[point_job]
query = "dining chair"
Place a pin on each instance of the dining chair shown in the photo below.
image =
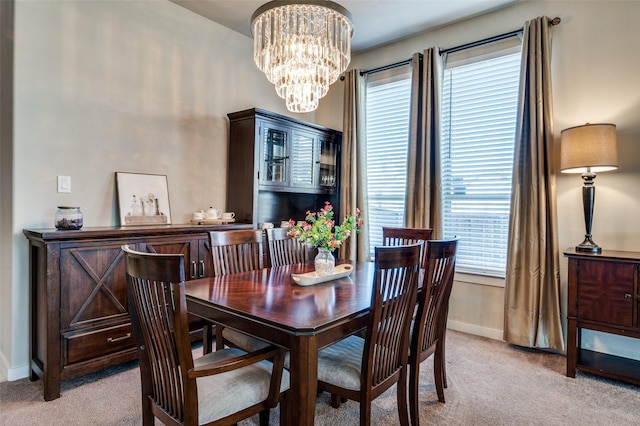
(219, 388)
(236, 251)
(428, 332)
(361, 369)
(394, 236)
(284, 249)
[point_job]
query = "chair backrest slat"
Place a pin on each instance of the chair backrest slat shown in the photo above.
(236, 251)
(393, 301)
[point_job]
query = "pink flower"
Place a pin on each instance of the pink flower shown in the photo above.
(320, 229)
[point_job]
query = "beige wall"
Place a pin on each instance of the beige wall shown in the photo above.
(107, 86)
(595, 79)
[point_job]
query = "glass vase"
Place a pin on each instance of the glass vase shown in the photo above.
(324, 262)
(68, 218)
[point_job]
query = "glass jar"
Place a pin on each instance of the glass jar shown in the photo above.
(68, 218)
(324, 262)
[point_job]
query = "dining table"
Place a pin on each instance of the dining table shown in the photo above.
(268, 304)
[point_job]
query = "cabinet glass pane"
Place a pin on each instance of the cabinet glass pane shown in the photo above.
(328, 162)
(275, 156)
(302, 159)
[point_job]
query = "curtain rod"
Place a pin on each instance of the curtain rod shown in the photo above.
(555, 21)
(481, 42)
(386, 67)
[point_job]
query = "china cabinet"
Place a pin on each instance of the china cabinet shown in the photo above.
(603, 295)
(79, 319)
(280, 167)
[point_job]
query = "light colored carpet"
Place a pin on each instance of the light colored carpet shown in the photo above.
(490, 383)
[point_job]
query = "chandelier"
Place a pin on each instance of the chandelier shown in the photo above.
(302, 48)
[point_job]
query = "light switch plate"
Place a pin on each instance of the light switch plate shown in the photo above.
(64, 183)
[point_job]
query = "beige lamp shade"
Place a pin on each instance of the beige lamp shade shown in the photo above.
(588, 148)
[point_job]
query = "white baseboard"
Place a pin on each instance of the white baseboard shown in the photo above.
(11, 374)
(477, 330)
(18, 373)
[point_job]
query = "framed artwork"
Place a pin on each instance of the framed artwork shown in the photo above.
(143, 199)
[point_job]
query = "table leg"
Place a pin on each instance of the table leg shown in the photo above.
(301, 400)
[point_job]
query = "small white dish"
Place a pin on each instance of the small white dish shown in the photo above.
(311, 278)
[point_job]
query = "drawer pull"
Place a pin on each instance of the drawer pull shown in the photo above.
(118, 339)
(627, 296)
(201, 270)
(193, 269)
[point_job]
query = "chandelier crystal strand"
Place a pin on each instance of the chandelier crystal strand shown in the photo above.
(302, 48)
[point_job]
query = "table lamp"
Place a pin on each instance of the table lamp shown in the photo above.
(588, 149)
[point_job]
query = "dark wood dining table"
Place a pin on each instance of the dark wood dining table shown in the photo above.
(303, 319)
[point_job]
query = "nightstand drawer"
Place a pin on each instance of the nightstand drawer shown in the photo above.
(605, 292)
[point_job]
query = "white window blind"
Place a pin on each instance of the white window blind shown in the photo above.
(388, 102)
(480, 96)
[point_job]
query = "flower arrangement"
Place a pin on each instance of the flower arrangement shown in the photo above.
(320, 229)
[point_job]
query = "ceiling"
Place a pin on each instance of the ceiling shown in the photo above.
(375, 22)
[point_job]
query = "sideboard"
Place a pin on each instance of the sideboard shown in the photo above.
(603, 295)
(78, 315)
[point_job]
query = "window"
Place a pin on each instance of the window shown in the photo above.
(388, 103)
(479, 106)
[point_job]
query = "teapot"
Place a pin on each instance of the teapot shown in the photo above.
(213, 213)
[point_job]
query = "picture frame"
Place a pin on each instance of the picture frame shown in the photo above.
(143, 199)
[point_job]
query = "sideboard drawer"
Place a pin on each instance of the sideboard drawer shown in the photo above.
(93, 344)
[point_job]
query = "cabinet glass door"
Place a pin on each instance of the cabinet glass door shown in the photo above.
(303, 159)
(328, 173)
(274, 155)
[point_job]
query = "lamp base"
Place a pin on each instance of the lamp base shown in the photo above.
(588, 245)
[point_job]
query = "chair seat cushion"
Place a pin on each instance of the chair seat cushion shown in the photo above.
(223, 394)
(242, 340)
(341, 363)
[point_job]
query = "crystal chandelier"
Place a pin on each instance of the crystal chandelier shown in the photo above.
(302, 48)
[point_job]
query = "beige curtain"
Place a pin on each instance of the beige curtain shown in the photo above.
(423, 168)
(353, 188)
(532, 289)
